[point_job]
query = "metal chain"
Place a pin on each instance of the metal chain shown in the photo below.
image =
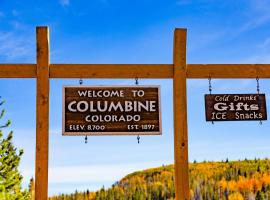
(210, 88)
(137, 83)
(258, 85)
(210, 85)
(258, 91)
(85, 139)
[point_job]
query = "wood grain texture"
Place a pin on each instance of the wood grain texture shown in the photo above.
(18, 70)
(42, 115)
(180, 116)
(228, 70)
(137, 70)
(111, 71)
(235, 107)
(71, 118)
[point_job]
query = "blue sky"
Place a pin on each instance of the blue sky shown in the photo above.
(116, 31)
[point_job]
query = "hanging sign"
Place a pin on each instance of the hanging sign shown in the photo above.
(111, 110)
(235, 107)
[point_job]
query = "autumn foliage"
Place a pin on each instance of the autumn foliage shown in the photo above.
(236, 180)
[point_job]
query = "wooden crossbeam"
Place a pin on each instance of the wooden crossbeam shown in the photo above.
(18, 70)
(137, 70)
(228, 70)
(111, 70)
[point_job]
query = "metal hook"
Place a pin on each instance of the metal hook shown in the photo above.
(85, 139)
(138, 138)
(136, 81)
(80, 81)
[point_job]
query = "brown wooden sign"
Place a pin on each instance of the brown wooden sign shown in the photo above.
(111, 110)
(235, 107)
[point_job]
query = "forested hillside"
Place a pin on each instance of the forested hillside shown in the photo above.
(236, 180)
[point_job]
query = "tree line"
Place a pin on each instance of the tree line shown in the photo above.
(226, 180)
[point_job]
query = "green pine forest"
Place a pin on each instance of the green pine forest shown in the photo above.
(10, 156)
(226, 180)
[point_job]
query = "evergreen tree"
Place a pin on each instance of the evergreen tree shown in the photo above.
(10, 178)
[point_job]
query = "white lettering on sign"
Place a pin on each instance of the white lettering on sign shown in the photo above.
(246, 98)
(235, 107)
(111, 110)
(253, 115)
(236, 98)
(219, 115)
(112, 118)
(101, 93)
(110, 106)
(222, 98)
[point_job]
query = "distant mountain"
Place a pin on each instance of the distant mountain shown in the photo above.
(226, 180)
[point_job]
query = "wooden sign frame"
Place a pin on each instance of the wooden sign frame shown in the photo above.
(232, 114)
(179, 71)
(113, 133)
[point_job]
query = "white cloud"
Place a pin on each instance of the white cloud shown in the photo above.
(255, 22)
(18, 42)
(95, 173)
(88, 174)
(260, 58)
(260, 6)
(259, 15)
(254, 16)
(15, 45)
(78, 174)
(64, 2)
(18, 25)
(265, 44)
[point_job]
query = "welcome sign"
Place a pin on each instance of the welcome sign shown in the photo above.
(111, 110)
(235, 107)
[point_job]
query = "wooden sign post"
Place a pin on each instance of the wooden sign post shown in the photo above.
(179, 71)
(43, 71)
(180, 116)
(42, 114)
